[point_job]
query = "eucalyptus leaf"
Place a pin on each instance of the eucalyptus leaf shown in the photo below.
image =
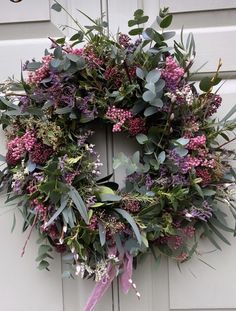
(160, 85)
(150, 111)
(140, 73)
(153, 76)
(166, 21)
(182, 152)
(57, 7)
(157, 102)
(161, 157)
(141, 138)
(148, 96)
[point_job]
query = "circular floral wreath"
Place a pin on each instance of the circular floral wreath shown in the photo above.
(174, 185)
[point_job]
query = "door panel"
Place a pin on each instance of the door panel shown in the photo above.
(25, 11)
(200, 5)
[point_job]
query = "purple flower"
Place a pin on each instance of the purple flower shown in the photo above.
(61, 163)
(134, 177)
(91, 201)
(16, 186)
(149, 182)
(202, 213)
(178, 180)
(24, 103)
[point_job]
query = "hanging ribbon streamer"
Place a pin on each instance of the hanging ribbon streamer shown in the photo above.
(100, 289)
(126, 276)
(102, 286)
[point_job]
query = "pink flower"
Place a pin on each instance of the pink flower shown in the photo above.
(189, 231)
(214, 102)
(29, 140)
(40, 153)
(204, 174)
(110, 73)
(197, 142)
(38, 75)
(136, 126)
(172, 73)
(16, 150)
(93, 224)
(88, 54)
(132, 206)
(118, 116)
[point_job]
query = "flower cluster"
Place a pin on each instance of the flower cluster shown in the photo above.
(172, 74)
(118, 116)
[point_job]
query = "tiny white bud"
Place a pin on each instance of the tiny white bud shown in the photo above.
(76, 257)
(188, 215)
(64, 228)
(78, 268)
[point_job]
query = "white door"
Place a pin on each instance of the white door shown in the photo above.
(164, 288)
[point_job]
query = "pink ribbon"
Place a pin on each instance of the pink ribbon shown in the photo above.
(100, 289)
(127, 273)
(102, 286)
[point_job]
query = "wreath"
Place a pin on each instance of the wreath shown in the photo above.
(175, 183)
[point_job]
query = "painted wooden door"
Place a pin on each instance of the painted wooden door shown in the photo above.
(164, 288)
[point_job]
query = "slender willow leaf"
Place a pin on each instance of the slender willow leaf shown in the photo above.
(64, 202)
(106, 178)
(131, 221)
(79, 203)
(102, 233)
(229, 114)
(208, 234)
(193, 249)
(63, 110)
(8, 104)
(14, 223)
(119, 245)
(157, 258)
(219, 224)
(207, 264)
(219, 234)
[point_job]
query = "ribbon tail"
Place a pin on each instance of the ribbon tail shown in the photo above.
(127, 273)
(100, 289)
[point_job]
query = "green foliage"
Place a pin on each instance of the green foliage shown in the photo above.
(139, 19)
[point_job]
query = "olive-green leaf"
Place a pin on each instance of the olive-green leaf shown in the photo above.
(132, 222)
(166, 21)
(79, 203)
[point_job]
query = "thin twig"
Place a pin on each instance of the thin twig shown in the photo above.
(227, 142)
(29, 235)
(127, 71)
